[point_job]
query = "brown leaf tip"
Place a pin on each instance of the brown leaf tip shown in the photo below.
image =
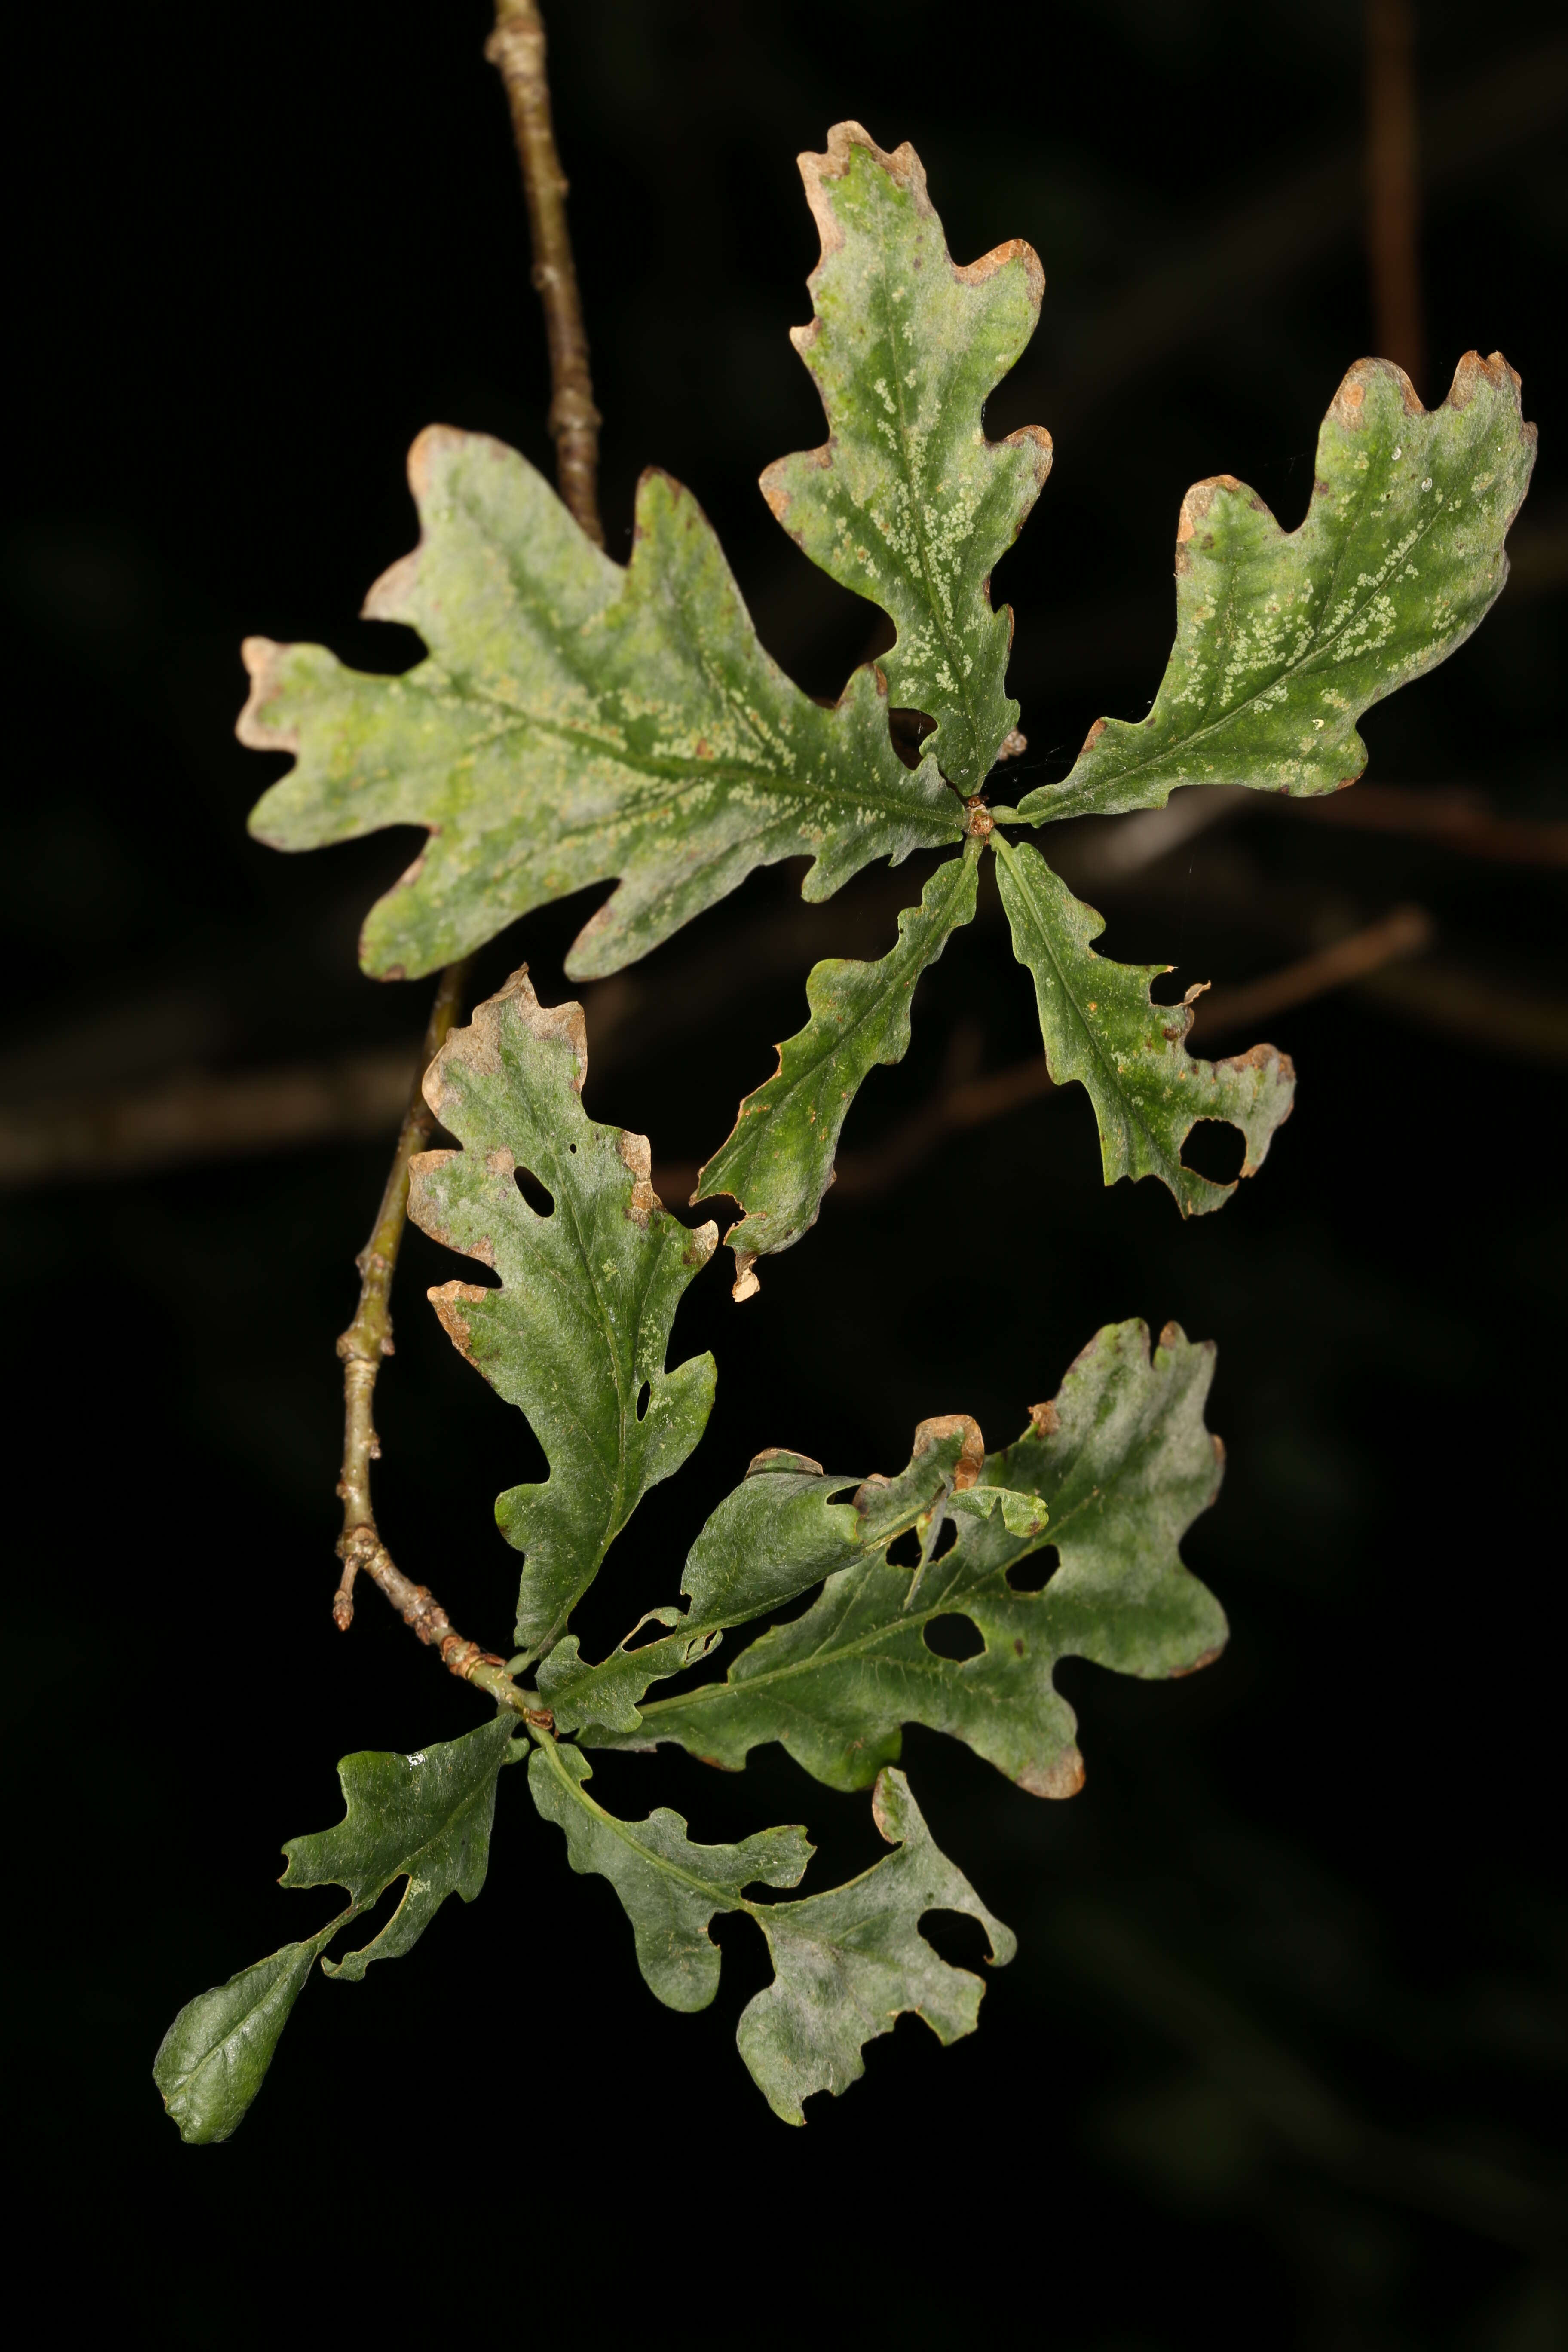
(1063, 1777)
(448, 1302)
(638, 1157)
(902, 166)
(747, 1283)
(262, 658)
(1177, 1673)
(971, 1454)
(781, 1457)
(1047, 1419)
(478, 1046)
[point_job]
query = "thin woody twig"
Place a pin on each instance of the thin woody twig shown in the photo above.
(1406, 932)
(516, 49)
(1450, 815)
(369, 1337)
(420, 1608)
(1393, 192)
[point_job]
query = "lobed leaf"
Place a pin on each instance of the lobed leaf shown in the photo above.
(1284, 638)
(669, 1888)
(573, 722)
(778, 1163)
(1102, 1028)
(907, 502)
(781, 1531)
(848, 1963)
(1112, 1473)
(577, 1333)
(425, 1818)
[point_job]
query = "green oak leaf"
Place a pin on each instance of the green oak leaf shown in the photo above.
(425, 1818)
(577, 1334)
(1102, 1027)
(778, 1163)
(848, 1963)
(213, 2059)
(669, 1887)
(907, 502)
(1283, 638)
(784, 1529)
(1112, 1473)
(572, 721)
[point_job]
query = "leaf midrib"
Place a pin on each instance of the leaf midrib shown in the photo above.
(829, 1050)
(509, 718)
(826, 1656)
(1166, 1168)
(932, 601)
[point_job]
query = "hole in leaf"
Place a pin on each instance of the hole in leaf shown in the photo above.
(642, 1400)
(570, 1147)
(953, 1637)
(957, 1938)
(1032, 1575)
(904, 1551)
(908, 730)
(947, 1535)
(652, 1631)
(539, 1198)
(1216, 1149)
(844, 1494)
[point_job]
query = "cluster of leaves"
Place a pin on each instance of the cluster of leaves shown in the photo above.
(574, 722)
(1110, 1472)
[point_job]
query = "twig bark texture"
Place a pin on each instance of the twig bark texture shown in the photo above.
(516, 49)
(369, 1337)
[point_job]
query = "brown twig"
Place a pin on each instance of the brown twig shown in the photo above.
(516, 49)
(1406, 931)
(369, 1337)
(193, 1116)
(1265, 236)
(418, 1608)
(1449, 815)
(1392, 186)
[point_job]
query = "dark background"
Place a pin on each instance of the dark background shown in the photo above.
(1282, 2057)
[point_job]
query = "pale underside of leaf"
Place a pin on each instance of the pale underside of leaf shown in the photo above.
(1283, 639)
(669, 1887)
(574, 722)
(425, 1818)
(846, 1963)
(849, 1963)
(1101, 1027)
(907, 502)
(1112, 1473)
(577, 1333)
(778, 1163)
